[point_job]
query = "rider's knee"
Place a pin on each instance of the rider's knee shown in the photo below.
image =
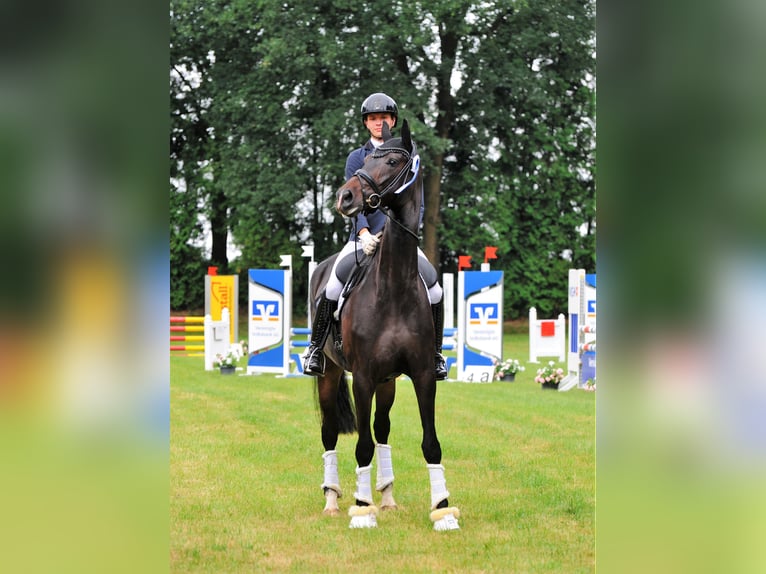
(334, 288)
(435, 293)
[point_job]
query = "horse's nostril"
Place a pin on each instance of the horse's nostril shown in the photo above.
(345, 200)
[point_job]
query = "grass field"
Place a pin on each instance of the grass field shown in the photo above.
(246, 468)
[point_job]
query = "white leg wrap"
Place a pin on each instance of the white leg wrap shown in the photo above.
(385, 473)
(438, 484)
(363, 486)
(331, 479)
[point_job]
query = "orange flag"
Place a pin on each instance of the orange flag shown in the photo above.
(463, 261)
(490, 253)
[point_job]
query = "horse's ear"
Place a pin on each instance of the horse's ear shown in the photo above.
(406, 137)
(386, 132)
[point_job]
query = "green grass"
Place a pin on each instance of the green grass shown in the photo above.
(246, 468)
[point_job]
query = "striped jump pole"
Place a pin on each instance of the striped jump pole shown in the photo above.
(188, 324)
(188, 319)
(187, 328)
(189, 348)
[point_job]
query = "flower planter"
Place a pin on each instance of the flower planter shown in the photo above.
(552, 386)
(506, 370)
(228, 370)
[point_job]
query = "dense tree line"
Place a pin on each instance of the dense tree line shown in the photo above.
(500, 96)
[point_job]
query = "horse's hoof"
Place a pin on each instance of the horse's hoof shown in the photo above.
(385, 507)
(445, 519)
(331, 512)
(363, 517)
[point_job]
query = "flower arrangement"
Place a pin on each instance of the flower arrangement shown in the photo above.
(507, 367)
(228, 360)
(549, 374)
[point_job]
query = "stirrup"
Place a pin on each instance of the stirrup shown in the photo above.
(316, 370)
(440, 367)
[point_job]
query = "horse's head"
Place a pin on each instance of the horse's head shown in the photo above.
(386, 172)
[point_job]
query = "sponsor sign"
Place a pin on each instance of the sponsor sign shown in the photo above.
(480, 324)
(268, 297)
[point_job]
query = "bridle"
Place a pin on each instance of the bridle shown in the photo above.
(375, 199)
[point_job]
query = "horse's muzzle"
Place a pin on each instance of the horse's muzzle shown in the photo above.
(346, 204)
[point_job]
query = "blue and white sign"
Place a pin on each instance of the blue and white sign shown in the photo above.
(268, 325)
(581, 364)
(480, 324)
(590, 297)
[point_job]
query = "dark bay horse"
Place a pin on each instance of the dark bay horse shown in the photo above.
(386, 329)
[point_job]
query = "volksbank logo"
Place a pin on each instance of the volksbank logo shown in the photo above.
(483, 313)
(265, 310)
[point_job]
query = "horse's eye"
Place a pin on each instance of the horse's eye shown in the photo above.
(392, 162)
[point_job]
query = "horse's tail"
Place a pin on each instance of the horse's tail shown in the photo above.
(346, 412)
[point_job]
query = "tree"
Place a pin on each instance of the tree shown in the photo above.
(521, 177)
(193, 191)
(499, 97)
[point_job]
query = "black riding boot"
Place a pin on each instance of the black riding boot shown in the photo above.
(440, 364)
(314, 361)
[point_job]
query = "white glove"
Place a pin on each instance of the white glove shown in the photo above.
(370, 242)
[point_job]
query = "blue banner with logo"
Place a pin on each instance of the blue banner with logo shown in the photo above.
(266, 320)
(480, 324)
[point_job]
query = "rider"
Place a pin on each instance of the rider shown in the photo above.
(365, 235)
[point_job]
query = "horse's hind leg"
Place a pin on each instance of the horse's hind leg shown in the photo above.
(327, 391)
(384, 400)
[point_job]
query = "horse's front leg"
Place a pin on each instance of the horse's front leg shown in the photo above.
(442, 515)
(363, 514)
(384, 400)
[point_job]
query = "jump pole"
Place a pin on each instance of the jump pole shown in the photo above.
(187, 324)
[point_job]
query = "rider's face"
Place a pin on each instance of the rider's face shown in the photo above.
(374, 123)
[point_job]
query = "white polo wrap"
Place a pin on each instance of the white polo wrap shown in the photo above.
(438, 484)
(385, 472)
(363, 486)
(331, 479)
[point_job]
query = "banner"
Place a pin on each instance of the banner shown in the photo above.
(480, 324)
(222, 292)
(268, 320)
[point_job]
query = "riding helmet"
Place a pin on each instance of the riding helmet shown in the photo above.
(379, 103)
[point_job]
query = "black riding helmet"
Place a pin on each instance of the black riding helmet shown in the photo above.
(379, 103)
